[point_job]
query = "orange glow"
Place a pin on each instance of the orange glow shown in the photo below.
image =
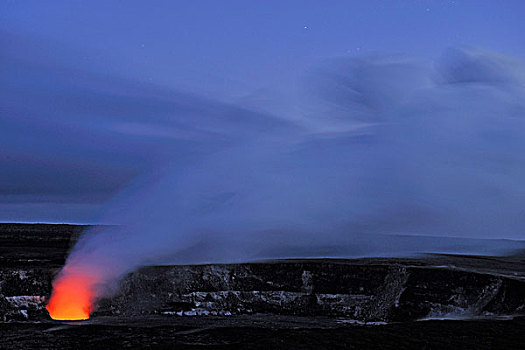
(71, 298)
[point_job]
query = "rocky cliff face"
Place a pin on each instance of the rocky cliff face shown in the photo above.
(367, 290)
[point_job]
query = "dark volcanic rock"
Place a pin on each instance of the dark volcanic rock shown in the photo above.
(379, 289)
(261, 332)
(366, 292)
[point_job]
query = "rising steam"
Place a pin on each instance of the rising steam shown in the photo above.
(377, 146)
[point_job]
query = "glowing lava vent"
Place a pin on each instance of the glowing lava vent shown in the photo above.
(71, 298)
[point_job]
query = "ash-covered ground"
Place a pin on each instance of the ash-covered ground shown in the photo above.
(433, 301)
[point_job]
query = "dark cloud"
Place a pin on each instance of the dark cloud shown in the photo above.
(71, 134)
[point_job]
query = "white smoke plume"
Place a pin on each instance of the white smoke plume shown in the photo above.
(377, 146)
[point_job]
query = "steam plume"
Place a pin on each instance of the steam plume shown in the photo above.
(378, 146)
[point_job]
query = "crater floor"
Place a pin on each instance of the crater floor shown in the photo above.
(432, 301)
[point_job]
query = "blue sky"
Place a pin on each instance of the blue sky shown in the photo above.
(99, 93)
(226, 48)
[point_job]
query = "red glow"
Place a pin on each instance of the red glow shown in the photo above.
(71, 298)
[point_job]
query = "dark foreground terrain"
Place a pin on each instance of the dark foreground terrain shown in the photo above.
(429, 302)
(262, 332)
